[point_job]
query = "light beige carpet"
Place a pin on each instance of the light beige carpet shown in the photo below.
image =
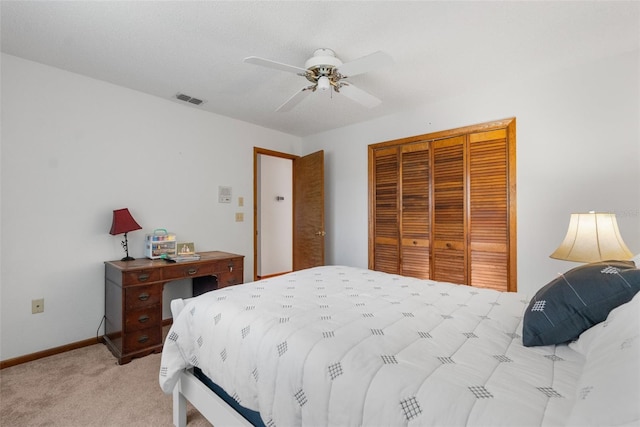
(86, 387)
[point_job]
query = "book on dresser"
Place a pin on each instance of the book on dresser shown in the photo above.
(182, 258)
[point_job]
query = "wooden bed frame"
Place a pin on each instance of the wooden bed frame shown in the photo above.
(210, 405)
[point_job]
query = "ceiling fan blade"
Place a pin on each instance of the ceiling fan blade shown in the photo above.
(295, 99)
(366, 63)
(273, 64)
(358, 95)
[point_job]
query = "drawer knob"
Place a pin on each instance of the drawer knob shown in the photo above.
(143, 277)
(143, 297)
(144, 318)
(449, 245)
(143, 338)
(192, 271)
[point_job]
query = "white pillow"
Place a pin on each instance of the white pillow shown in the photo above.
(608, 391)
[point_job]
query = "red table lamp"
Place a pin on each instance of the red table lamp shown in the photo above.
(123, 222)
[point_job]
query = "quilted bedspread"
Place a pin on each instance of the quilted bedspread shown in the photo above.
(341, 346)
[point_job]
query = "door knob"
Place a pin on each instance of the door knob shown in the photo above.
(320, 233)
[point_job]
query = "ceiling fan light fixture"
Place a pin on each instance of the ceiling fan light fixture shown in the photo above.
(324, 83)
(325, 71)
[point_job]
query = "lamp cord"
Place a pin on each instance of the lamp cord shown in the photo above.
(98, 330)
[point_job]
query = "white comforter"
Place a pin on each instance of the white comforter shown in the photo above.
(340, 346)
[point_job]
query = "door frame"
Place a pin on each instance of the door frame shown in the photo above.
(265, 152)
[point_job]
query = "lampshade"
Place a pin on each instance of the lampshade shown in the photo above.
(323, 83)
(123, 222)
(592, 237)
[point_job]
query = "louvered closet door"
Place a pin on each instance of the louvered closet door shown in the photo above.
(414, 225)
(489, 209)
(385, 217)
(443, 206)
(448, 225)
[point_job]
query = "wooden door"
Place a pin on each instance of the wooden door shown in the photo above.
(384, 208)
(464, 217)
(414, 216)
(449, 219)
(489, 208)
(308, 211)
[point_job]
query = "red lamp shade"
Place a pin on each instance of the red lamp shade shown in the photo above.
(123, 222)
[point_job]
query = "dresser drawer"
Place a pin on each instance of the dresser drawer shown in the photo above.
(139, 277)
(143, 318)
(230, 278)
(142, 339)
(184, 271)
(229, 265)
(229, 272)
(142, 296)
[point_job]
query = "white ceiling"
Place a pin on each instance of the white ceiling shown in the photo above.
(440, 49)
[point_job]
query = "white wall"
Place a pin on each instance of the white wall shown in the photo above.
(578, 149)
(74, 149)
(275, 229)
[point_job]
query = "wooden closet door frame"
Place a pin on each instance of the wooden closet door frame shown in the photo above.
(510, 125)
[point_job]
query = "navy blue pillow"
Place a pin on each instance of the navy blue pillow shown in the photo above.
(577, 300)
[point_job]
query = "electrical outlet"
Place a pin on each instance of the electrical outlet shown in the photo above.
(240, 201)
(37, 306)
(239, 216)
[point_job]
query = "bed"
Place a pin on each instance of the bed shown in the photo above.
(342, 346)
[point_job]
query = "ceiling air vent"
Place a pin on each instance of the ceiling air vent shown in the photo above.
(189, 99)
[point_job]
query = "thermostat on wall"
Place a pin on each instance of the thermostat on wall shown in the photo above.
(224, 194)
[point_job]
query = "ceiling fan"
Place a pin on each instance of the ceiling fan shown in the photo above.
(325, 71)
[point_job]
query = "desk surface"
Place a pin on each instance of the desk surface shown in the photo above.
(144, 263)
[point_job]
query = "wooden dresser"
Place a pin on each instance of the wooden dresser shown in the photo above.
(133, 297)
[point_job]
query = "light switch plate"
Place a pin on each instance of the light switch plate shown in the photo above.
(224, 194)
